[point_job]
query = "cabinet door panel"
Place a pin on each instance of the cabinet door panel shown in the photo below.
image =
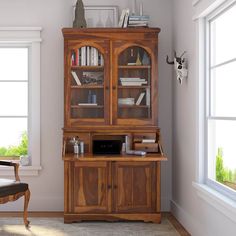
(134, 187)
(91, 187)
(87, 69)
(135, 83)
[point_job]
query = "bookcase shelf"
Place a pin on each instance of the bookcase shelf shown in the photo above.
(133, 87)
(87, 68)
(135, 67)
(87, 87)
(133, 106)
(86, 106)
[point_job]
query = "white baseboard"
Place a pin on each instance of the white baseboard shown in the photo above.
(36, 203)
(188, 222)
(165, 205)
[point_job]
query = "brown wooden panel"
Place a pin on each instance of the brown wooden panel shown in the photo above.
(75, 115)
(140, 197)
(138, 137)
(134, 187)
(91, 187)
(148, 147)
(119, 47)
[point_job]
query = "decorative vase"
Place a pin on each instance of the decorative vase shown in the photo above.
(146, 59)
(79, 21)
(138, 60)
(24, 160)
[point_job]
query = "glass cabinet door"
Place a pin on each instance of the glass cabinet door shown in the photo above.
(134, 84)
(87, 85)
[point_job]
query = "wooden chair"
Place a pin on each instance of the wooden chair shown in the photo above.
(11, 190)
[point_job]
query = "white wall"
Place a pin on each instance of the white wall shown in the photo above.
(52, 15)
(196, 215)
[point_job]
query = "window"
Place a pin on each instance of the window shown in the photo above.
(13, 102)
(20, 95)
(220, 115)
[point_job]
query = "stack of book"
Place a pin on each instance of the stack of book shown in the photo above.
(127, 81)
(138, 21)
(126, 101)
(127, 20)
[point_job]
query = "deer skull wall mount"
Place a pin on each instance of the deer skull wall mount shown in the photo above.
(180, 64)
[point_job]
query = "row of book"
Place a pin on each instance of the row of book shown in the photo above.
(86, 56)
(127, 20)
(127, 81)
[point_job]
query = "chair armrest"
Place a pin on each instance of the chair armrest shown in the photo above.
(15, 165)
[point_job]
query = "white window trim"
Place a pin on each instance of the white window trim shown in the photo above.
(219, 201)
(30, 37)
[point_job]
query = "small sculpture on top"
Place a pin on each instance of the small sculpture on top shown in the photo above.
(79, 21)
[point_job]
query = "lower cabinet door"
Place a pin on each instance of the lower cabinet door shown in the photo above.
(91, 187)
(134, 187)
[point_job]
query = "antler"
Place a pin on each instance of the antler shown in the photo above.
(169, 62)
(182, 54)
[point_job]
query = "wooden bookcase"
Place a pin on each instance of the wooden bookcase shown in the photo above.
(110, 88)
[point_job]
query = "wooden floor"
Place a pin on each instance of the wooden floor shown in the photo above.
(180, 229)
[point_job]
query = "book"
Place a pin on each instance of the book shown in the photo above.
(88, 56)
(76, 78)
(95, 57)
(133, 83)
(102, 60)
(131, 63)
(79, 54)
(92, 56)
(138, 22)
(126, 101)
(138, 25)
(72, 59)
(140, 98)
(99, 59)
(135, 17)
(126, 19)
(126, 79)
(77, 57)
(83, 56)
(122, 17)
(148, 98)
(148, 140)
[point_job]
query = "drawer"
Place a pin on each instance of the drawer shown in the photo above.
(147, 147)
(139, 137)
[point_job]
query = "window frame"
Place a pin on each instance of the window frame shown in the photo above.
(223, 189)
(21, 45)
(28, 37)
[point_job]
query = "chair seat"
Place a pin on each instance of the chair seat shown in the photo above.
(11, 187)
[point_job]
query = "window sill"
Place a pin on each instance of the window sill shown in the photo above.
(220, 202)
(23, 171)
